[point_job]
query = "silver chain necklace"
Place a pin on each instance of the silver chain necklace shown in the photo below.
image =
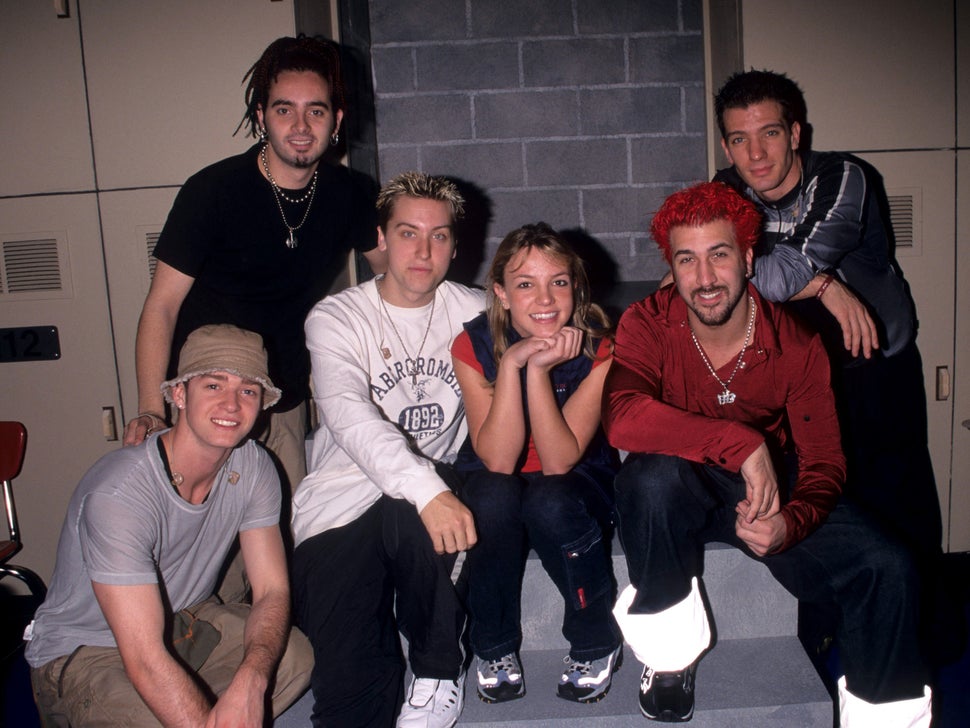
(727, 396)
(412, 368)
(290, 240)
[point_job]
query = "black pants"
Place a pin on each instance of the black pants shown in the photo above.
(882, 413)
(344, 586)
(669, 508)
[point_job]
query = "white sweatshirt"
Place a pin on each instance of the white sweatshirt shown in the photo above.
(384, 420)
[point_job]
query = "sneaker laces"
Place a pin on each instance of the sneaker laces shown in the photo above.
(505, 662)
(583, 667)
(684, 677)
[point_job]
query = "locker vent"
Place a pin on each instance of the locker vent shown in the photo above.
(151, 240)
(905, 216)
(901, 215)
(30, 266)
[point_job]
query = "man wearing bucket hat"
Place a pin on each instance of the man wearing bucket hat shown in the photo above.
(130, 632)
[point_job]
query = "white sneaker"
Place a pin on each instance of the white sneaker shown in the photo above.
(433, 703)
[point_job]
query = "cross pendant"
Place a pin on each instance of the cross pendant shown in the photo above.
(726, 397)
(291, 241)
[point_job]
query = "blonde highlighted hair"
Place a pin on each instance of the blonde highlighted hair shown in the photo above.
(420, 186)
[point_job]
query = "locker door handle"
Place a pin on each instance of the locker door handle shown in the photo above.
(109, 427)
(942, 383)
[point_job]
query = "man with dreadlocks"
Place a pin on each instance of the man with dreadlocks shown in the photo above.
(256, 239)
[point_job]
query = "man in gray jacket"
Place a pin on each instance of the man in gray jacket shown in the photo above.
(827, 247)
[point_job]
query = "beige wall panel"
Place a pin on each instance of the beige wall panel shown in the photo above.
(165, 82)
(44, 115)
(131, 221)
(959, 515)
(59, 401)
(877, 74)
(963, 73)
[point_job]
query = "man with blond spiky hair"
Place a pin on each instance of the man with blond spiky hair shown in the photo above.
(376, 523)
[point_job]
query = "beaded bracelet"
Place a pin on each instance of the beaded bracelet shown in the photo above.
(158, 423)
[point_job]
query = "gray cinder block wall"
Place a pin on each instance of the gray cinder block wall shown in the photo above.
(582, 113)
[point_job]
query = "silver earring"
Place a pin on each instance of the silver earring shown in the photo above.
(262, 134)
(335, 138)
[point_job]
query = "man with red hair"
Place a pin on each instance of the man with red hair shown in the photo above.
(724, 404)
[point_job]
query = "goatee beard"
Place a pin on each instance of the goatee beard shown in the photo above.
(715, 317)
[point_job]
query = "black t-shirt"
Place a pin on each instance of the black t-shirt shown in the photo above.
(225, 231)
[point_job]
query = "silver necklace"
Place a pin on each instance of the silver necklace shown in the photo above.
(278, 193)
(411, 362)
(727, 396)
(177, 478)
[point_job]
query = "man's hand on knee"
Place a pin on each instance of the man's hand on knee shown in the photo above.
(449, 523)
(763, 535)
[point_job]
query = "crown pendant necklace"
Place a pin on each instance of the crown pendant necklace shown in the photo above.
(727, 396)
(291, 240)
(411, 362)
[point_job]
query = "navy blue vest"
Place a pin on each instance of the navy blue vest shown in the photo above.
(566, 378)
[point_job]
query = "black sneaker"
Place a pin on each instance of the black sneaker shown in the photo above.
(500, 680)
(668, 696)
(588, 681)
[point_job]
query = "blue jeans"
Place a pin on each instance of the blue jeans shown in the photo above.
(563, 517)
(668, 508)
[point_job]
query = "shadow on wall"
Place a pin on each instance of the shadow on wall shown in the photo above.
(471, 232)
(471, 264)
(606, 288)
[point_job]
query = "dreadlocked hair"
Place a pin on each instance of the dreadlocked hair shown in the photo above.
(303, 53)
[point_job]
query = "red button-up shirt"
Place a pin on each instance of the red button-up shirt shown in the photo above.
(661, 398)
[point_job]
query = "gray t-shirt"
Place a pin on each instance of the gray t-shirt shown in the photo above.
(126, 525)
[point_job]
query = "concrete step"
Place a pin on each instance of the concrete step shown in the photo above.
(757, 674)
(744, 598)
(755, 683)
(742, 682)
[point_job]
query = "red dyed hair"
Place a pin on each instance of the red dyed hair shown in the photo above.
(704, 203)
